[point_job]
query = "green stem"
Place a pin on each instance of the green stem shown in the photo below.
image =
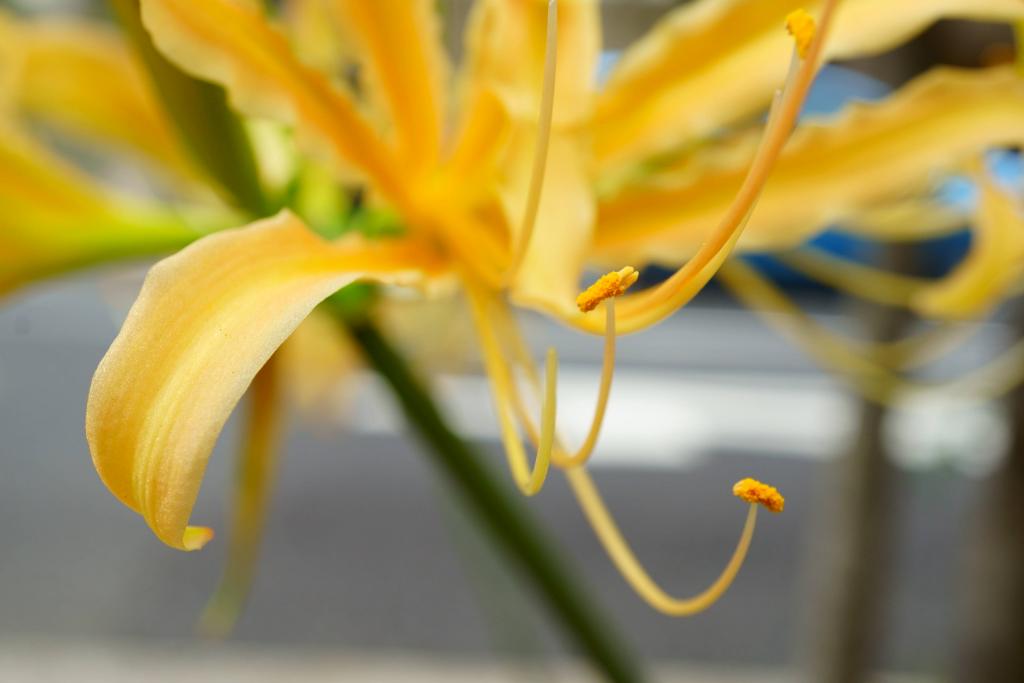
(501, 513)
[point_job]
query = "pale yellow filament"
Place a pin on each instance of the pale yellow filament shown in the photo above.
(646, 308)
(630, 567)
(864, 372)
(581, 456)
(892, 289)
(600, 518)
(540, 151)
(508, 401)
(253, 480)
(529, 480)
(559, 456)
(1018, 34)
(860, 280)
(919, 349)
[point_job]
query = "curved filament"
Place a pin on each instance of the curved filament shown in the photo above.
(914, 351)
(630, 567)
(860, 280)
(529, 480)
(597, 513)
(508, 400)
(880, 286)
(859, 367)
(253, 483)
(562, 458)
(540, 150)
(649, 307)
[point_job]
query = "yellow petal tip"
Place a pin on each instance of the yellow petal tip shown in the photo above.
(801, 26)
(753, 491)
(607, 286)
(195, 537)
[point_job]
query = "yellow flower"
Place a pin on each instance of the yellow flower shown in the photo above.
(506, 204)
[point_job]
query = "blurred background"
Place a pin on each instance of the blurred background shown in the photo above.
(370, 571)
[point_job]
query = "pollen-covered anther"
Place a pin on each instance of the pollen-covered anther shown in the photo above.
(801, 26)
(607, 286)
(753, 491)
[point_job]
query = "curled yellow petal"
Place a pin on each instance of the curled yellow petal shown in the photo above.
(205, 321)
(233, 44)
(711, 64)
(992, 266)
(829, 172)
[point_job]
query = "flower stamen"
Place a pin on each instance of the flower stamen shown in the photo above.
(528, 479)
(607, 286)
(632, 570)
(657, 303)
(614, 285)
(753, 491)
(540, 152)
(508, 401)
(590, 500)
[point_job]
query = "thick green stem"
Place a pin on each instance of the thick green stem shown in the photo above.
(502, 515)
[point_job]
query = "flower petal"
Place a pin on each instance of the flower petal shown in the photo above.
(234, 45)
(712, 63)
(399, 43)
(315, 34)
(80, 77)
(205, 321)
(505, 48)
(993, 264)
(869, 155)
(548, 277)
(480, 145)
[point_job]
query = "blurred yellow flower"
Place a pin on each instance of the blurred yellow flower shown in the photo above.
(510, 178)
(476, 208)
